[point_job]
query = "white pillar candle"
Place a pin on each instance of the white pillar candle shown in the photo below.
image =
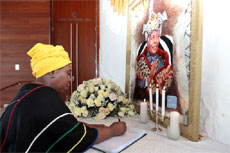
(173, 131)
(143, 112)
(150, 97)
(174, 118)
(157, 97)
(163, 103)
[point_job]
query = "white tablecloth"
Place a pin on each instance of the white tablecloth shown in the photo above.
(157, 142)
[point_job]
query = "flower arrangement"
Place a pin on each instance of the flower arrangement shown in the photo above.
(100, 98)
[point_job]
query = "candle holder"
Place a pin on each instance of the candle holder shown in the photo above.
(155, 113)
(157, 116)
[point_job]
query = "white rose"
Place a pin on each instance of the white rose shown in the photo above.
(85, 113)
(111, 106)
(90, 102)
(83, 108)
(77, 111)
(121, 114)
(102, 87)
(107, 82)
(125, 101)
(101, 97)
(118, 89)
(80, 98)
(83, 101)
(131, 106)
(131, 113)
(123, 109)
(80, 87)
(97, 102)
(100, 92)
(84, 93)
(98, 80)
(91, 88)
(71, 106)
(106, 94)
(120, 98)
(73, 95)
(92, 96)
(108, 90)
(96, 88)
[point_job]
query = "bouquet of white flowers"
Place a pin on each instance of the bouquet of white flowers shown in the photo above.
(100, 98)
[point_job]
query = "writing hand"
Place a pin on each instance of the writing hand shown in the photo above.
(119, 128)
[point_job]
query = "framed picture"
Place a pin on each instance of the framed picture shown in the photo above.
(184, 26)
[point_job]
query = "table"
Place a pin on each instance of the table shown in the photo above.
(157, 142)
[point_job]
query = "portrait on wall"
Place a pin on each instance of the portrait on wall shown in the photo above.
(160, 52)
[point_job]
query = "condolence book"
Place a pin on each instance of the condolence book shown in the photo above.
(119, 143)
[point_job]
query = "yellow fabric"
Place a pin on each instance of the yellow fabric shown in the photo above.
(47, 58)
(79, 140)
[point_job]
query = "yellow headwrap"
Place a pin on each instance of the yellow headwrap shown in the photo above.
(47, 58)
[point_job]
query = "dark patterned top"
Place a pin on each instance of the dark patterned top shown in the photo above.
(41, 122)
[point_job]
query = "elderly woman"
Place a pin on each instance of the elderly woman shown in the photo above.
(37, 120)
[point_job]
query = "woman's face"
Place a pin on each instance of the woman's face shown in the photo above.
(153, 42)
(62, 78)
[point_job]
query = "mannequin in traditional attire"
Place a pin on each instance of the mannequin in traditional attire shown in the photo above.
(37, 120)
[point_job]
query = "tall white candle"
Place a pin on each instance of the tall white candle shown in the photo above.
(143, 112)
(163, 103)
(150, 97)
(157, 97)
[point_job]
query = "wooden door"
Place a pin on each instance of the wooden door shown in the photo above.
(75, 26)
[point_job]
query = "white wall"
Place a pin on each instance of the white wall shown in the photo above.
(215, 95)
(112, 58)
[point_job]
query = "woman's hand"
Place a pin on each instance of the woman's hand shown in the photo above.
(115, 129)
(118, 128)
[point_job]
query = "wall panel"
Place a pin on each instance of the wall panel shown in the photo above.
(22, 24)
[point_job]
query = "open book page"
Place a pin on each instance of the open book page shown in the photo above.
(119, 143)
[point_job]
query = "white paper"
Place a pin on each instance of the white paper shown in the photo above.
(118, 143)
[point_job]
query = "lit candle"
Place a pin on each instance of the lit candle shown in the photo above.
(143, 112)
(157, 98)
(150, 97)
(163, 103)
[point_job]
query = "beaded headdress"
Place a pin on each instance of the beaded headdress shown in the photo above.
(154, 23)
